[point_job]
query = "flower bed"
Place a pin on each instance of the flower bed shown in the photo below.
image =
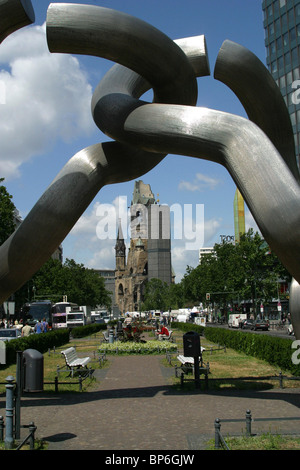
(130, 347)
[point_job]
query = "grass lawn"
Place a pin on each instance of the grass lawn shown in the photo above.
(232, 365)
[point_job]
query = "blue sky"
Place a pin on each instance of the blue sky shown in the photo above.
(46, 119)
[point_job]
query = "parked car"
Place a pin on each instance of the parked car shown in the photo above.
(260, 325)
(7, 334)
(247, 324)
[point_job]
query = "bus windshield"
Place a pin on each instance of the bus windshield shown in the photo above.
(35, 311)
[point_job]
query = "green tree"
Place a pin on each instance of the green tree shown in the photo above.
(81, 285)
(246, 270)
(156, 295)
(7, 210)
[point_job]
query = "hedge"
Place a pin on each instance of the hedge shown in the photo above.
(81, 331)
(274, 350)
(41, 342)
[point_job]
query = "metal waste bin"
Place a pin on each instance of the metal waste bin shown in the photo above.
(111, 336)
(33, 367)
(191, 344)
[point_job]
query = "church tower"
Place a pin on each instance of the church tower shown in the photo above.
(120, 250)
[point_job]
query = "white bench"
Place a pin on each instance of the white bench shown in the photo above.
(188, 360)
(73, 361)
(168, 338)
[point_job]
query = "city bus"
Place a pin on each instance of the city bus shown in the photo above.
(59, 314)
(32, 312)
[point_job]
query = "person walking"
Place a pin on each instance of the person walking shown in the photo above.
(38, 327)
(26, 330)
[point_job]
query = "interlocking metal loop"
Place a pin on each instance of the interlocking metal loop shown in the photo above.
(258, 153)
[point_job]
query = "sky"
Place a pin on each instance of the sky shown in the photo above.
(45, 102)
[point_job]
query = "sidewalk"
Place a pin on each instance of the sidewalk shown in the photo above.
(132, 407)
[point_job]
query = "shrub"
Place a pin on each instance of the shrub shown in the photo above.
(41, 342)
(131, 347)
(82, 331)
(274, 350)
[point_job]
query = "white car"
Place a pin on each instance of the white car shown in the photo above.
(7, 334)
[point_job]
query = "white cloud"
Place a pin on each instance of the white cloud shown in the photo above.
(200, 183)
(47, 98)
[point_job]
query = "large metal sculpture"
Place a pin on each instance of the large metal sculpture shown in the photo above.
(258, 153)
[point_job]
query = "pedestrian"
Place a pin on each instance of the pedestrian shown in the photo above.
(26, 330)
(38, 327)
(45, 325)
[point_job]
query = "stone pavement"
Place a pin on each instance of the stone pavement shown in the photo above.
(132, 407)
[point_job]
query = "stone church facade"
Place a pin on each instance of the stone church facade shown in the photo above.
(149, 253)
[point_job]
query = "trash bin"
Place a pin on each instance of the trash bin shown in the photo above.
(33, 366)
(191, 344)
(111, 336)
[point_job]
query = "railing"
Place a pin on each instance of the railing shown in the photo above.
(219, 438)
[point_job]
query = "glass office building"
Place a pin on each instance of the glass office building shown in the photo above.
(282, 41)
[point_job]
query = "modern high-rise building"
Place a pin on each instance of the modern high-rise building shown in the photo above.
(239, 215)
(149, 254)
(282, 41)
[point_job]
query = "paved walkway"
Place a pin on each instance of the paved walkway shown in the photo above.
(132, 407)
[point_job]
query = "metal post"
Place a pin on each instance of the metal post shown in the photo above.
(1, 427)
(280, 380)
(196, 372)
(32, 429)
(217, 433)
(248, 422)
(9, 440)
(19, 388)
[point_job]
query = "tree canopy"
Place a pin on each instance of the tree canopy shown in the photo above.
(81, 285)
(7, 211)
(247, 270)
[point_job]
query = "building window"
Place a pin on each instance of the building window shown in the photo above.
(279, 42)
(293, 118)
(292, 34)
(287, 59)
(282, 82)
(274, 66)
(270, 11)
(282, 3)
(289, 78)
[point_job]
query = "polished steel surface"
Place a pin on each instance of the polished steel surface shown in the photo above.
(89, 170)
(258, 153)
(14, 14)
(256, 89)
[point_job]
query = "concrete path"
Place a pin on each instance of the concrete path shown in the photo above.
(133, 407)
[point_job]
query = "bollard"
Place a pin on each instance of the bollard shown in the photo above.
(248, 422)
(217, 433)
(280, 380)
(32, 429)
(9, 440)
(111, 336)
(1, 428)
(56, 384)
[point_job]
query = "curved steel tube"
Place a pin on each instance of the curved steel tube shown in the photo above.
(14, 14)
(113, 35)
(250, 80)
(76, 185)
(160, 129)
